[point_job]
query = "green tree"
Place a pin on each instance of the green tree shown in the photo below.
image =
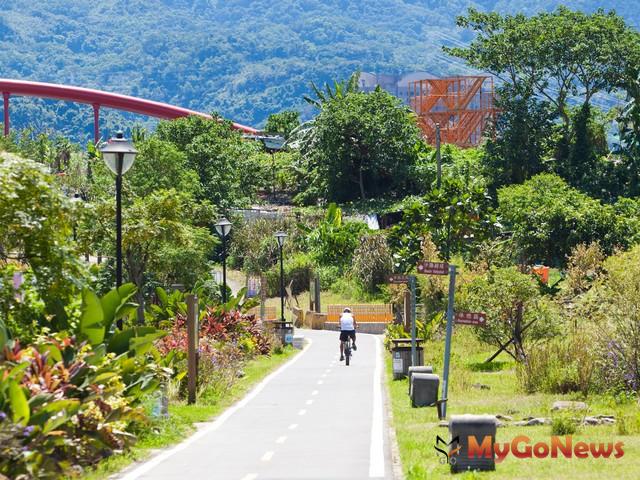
(219, 155)
(283, 123)
(629, 130)
(348, 156)
(548, 219)
(558, 56)
(523, 137)
(516, 311)
(162, 239)
(36, 226)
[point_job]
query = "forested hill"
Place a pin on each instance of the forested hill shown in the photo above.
(242, 58)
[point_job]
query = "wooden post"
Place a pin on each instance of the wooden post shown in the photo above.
(192, 351)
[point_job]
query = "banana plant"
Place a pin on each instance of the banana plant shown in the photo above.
(99, 318)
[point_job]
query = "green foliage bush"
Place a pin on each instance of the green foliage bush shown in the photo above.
(612, 305)
(562, 365)
(372, 262)
(297, 269)
(458, 217)
(562, 425)
(515, 309)
(67, 400)
(333, 241)
(36, 232)
(548, 218)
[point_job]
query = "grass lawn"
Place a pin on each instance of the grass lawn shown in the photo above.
(162, 433)
(416, 428)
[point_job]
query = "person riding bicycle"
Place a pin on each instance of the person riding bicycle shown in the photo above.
(347, 330)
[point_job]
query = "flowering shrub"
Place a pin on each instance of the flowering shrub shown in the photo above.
(216, 327)
(63, 406)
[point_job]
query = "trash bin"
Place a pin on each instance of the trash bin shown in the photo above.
(461, 427)
(401, 354)
(418, 369)
(424, 389)
(284, 331)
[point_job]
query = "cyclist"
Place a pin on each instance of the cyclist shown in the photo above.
(347, 329)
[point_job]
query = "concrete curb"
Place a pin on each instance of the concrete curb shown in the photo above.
(396, 462)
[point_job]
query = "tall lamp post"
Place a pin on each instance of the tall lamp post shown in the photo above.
(281, 236)
(119, 155)
(223, 227)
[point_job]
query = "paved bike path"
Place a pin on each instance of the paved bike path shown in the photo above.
(314, 418)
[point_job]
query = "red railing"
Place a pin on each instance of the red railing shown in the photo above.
(97, 99)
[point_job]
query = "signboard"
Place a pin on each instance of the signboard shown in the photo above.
(253, 286)
(433, 268)
(397, 363)
(397, 278)
(471, 318)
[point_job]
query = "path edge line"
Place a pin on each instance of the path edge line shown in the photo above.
(214, 425)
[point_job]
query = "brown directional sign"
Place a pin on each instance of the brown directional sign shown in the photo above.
(471, 318)
(397, 278)
(433, 268)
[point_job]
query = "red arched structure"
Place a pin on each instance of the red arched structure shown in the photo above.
(97, 99)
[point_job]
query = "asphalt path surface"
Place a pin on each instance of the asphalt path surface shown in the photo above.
(313, 418)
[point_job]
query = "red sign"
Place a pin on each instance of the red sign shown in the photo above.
(471, 318)
(433, 268)
(399, 278)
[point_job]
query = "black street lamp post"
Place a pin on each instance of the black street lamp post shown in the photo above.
(281, 236)
(223, 227)
(119, 154)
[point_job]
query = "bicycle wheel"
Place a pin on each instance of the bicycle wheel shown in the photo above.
(347, 356)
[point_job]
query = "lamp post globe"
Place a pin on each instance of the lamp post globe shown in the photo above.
(281, 237)
(223, 227)
(118, 154)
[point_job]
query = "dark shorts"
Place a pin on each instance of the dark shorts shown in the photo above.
(345, 334)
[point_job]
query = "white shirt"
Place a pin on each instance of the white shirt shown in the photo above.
(347, 322)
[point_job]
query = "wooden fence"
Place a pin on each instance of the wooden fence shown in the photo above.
(373, 313)
(270, 313)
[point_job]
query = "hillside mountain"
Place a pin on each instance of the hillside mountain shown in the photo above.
(241, 58)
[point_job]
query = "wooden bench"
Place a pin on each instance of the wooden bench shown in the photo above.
(373, 313)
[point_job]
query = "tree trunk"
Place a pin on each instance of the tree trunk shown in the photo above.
(361, 183)
(517, 333)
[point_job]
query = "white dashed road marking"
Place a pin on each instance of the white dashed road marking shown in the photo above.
(267, 456)
(293, 426)
(302, 412)
(281, 439)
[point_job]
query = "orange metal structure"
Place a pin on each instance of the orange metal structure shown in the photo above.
(463, 106)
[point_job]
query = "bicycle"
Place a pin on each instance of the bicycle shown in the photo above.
(346, 345)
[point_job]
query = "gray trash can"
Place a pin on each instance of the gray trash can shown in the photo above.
(461, 427)
(401, 354)
(418, 369)
(424, 389)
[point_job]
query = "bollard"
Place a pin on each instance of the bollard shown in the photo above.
(192, 349)
(424, 389)
(479, 429)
